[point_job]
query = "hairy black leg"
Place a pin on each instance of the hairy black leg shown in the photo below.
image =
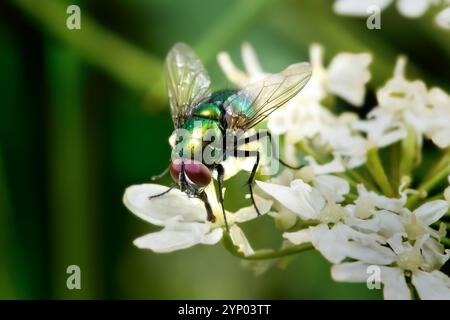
(250, 182)
(247, 154)
(220, 174)
(159, 176)
(209, 213)
(261, 134)
(163, 193)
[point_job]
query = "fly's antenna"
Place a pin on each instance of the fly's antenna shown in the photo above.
(159, 176)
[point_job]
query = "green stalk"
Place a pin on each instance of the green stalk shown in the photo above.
(72, 213)
(395, 166)
(427, 185)
(350, 197)
(376, 169)
(442, 163)
(445, 241)
(128, 64)
(228, 244)
(408, 152)
(361, 179)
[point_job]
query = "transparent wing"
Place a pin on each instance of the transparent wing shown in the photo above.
(254, 103)
(187, 82)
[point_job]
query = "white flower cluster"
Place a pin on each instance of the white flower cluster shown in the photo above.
(408, 8)
(404, 104)
(371, 230)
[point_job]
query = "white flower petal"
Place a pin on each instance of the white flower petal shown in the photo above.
(333, 166)
(395, 287)
(300, 198)
(232, 73)
(447, 194)
(364, 247)
(382, 222)
(443, 18)
(331, 187)
(249, 213)
(329, 242)
(358, 7)
(431, 285)
(370, 253)
(179, 236)
(251, 62)
(348, 74)
(285, 195)
(309, 198)
(432, 211)
(284, 218)
(283, 119)
(397, 244)
(298, 237)
(240, 241)
(350, 272)
(412, 8)
(441, 138)
(158, 210)
(391, 204)
(381, 202)
(335, 246)
(434, 254)
(381, 128)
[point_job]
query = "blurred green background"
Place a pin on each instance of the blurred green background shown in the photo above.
(84, 115)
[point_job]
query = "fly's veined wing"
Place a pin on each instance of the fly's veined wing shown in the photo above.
(254, 103)
(187, 82)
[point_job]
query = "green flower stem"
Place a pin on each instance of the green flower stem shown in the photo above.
(351, 197)
(437, 224)
(376, 169)
(305, 148)
(445, 241)
(441, 164)
(438, 196)
(303, 224)
(266, 254)
(128, 64)
(408, 152)
(395, 166)
(361, 179)
(427, 185)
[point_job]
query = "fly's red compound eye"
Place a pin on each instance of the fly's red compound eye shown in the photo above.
(196, 171)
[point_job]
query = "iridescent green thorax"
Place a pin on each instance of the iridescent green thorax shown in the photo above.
(208, 110)
(219, 97)
(206, 121)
